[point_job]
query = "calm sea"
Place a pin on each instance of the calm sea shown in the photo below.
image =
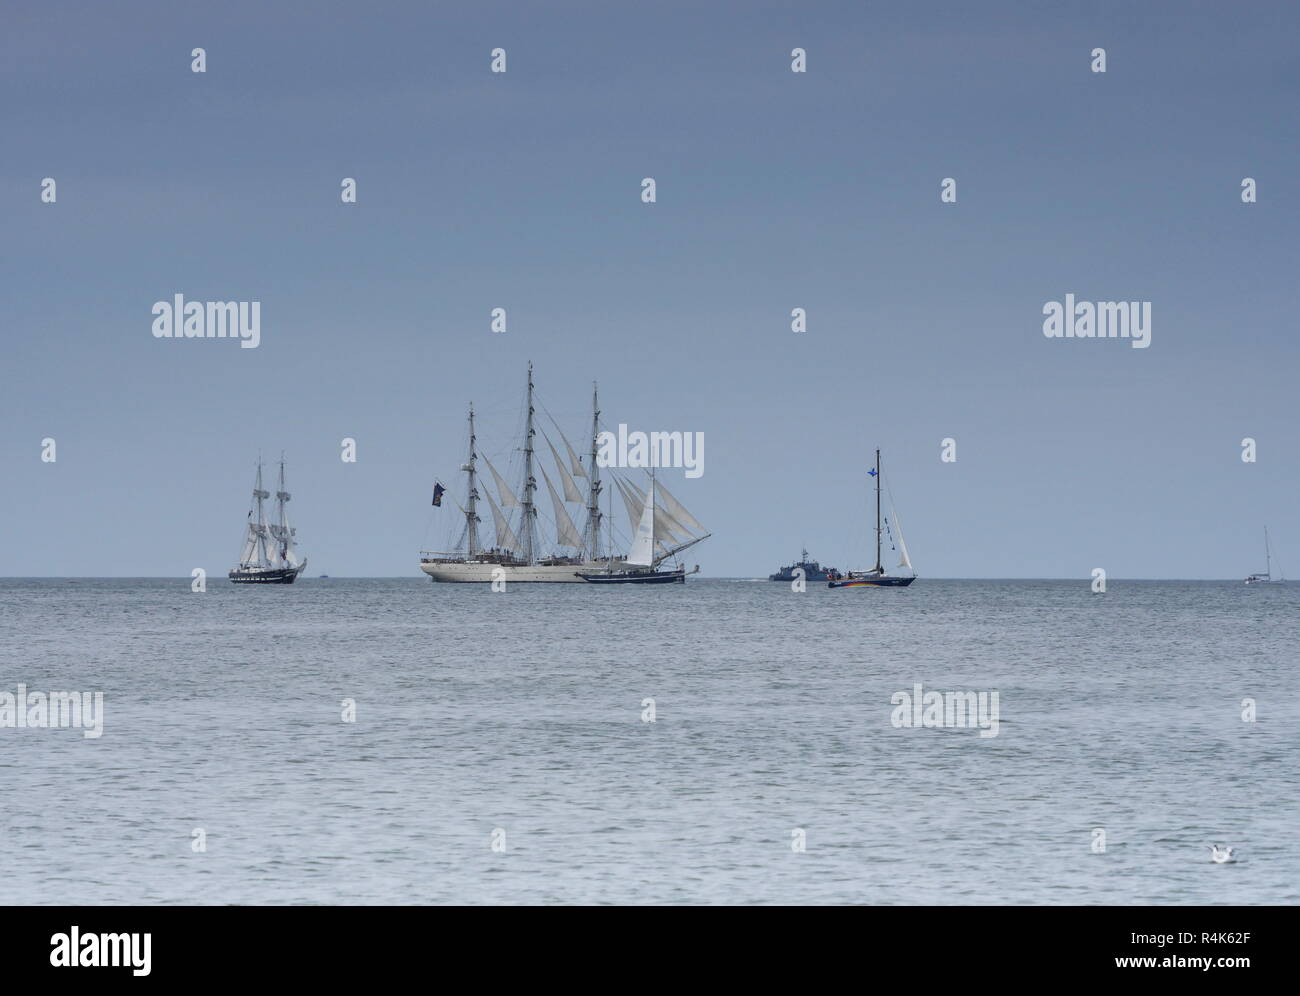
(517, 717)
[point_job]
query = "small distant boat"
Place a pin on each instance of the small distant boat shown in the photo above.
(268, 556)
(876, 577)
(1267, 576)
(812, 570)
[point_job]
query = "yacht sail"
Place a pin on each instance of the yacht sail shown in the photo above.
(642, 553)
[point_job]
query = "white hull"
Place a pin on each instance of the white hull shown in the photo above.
(470, 573)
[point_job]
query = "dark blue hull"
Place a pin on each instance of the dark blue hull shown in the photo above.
(636, 577)
(283, 575)
(876, 582)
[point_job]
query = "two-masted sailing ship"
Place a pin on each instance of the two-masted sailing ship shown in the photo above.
(876, 577)
(640, 566)
(528, 548)
(268, 556)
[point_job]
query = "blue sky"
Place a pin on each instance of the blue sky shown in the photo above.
(775, 190)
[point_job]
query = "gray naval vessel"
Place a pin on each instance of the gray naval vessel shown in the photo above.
(813, 571)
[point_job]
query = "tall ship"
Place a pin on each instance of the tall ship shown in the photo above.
(526, 546)
(1267, 576)
(812, 570)
(269, 555)
(877, 577)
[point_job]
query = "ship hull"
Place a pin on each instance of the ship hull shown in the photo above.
(808, 576)
(878, 582)
(475, 572)
(280, 575)
(638, 577)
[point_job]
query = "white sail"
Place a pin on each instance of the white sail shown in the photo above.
(274, 544)
(566, 534)
(250, 545)
(634, 498)
(508, 497)
(898, 531)
(263, 545)
(282, 551)
(666, 527)
(642, 553)
(630, 501)
(506, 539)
(571, 492)
(574, 462)
(678, 511)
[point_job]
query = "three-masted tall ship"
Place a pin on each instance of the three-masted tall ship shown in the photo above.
(528, 548)
(268, 556)
(876, 577)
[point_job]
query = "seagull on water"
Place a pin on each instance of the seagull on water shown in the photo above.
(1220, 855)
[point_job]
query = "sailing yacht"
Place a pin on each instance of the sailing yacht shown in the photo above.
(876, 577)
(268, 556)
(652, 529)
(1267, 576)
(524, 547)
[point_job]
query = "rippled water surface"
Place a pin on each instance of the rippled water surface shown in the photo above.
(523, 711)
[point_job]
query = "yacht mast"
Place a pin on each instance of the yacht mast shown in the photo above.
(879, 568)
(530, 483)
(593, 475)
(471, 502)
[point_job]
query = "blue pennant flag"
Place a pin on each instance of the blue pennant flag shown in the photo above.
(872, 472)
(438, 492)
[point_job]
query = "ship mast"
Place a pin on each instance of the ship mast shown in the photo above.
(471, 502)
(530, 483)
(879, 568)
(593, 475)
(259, 494)
(282, 496)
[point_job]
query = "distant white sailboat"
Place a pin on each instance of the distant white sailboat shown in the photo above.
(877, 577)
(1267, 576)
